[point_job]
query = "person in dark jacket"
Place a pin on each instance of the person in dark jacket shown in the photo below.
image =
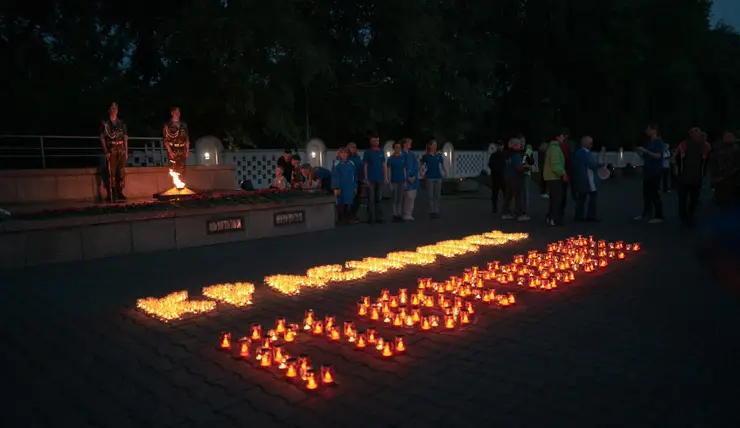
(692, 156)
(541, 152)
(497, 165)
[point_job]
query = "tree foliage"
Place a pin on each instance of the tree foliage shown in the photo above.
(272, 73)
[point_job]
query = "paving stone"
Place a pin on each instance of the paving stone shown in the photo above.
(555, 359)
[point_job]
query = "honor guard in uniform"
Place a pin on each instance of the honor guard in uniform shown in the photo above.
(114, 139)
(176, 141)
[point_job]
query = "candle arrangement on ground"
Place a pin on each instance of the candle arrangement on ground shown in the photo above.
(268, 352)
(174, 306)
(384, 323)
(320, 276)
(559, 264)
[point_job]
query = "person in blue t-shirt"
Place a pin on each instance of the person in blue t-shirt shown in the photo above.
(355, 158)
(344, 184)
(323, 178)
(396, 166)
(412, 179)
(652, 155)
(435, 172)
(375, 177)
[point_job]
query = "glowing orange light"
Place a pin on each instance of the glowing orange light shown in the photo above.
(400, 344)
(361, 341)
(449, 320)
(426, 324)
(372, 336)
(387, 350)
(292, 369)
(464, 317)
(415, 315)
(290, 333)
(308, 320)
(394, 302)
(397, 320)
(361, 309)
(334, 335)
(327, 375)
(280, 326)
(385, 295)
(318, 328)
(311, 382)
(256, 333)
(265, 358)
(225, 342)
(374, 313)
(244, 343)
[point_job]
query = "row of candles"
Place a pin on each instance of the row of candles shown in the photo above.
(455, 299)
(176, 305)
(320, 276)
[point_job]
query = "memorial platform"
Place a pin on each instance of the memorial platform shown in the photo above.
(39, 234)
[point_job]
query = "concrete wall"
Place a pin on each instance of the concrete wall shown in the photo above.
(33, 243)
(54, 185)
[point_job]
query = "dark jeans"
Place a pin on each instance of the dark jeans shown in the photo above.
(343, 213)
(583, 213)
(543, 186)
(355, 207)
(688, 200)
(564, 201)
(514, 192)
(651, 197)
(497, 186)
(374, 196)
(555, 189)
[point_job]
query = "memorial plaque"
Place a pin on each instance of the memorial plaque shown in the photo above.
(225, 225)
(286, 218)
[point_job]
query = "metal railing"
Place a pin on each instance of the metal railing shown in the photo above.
(62, 151)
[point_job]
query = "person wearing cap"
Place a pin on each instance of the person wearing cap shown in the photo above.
(585, 181)
(344, 184)
(114, 140)
(286, 163)
(412, 179)
(692, 156)
(176, 141)
(375, 177)
(359, 164)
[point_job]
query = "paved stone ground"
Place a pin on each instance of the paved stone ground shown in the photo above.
(650, 341)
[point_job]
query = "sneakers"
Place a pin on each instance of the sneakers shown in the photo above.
(397, 219)
(408, 218)
(523, 218)
(655, 221)
(507, 217)
(638, 218)
(545, 196)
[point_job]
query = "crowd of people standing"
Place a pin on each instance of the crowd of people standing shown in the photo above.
(352, 175)
(567, 171)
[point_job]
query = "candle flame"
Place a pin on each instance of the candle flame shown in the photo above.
(179, 184)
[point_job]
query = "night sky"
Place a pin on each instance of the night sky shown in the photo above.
(727, 11)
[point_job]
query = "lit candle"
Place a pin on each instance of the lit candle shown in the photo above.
(318, 328)
(403, 296)
(372, 336)
(385, 295)
(243, 348)
(464, 317)
(280, 325)
(416, 315)
(361, 341)
(290, 333)
(256, 332)
(311, 382)
(400, 344)
(267, 342)
(394, 302)
(397, 320)
(387, 350)
(308, 320)
(334, 335)
(449, 320)
(361, 309)
(425, 323)
(278, 354)
(225, 341)
(327, 374)
(291, 370)
(374, 313)
(265, 358)
(329, 322)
